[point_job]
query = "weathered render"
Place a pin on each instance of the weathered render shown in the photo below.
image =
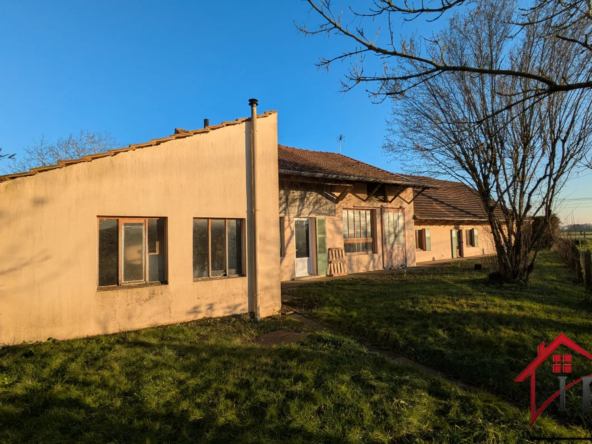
(323, 185)
(48, 257)
(448, 212)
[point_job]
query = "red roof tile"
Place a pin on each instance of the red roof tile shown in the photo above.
(301, 162)
(450, 201)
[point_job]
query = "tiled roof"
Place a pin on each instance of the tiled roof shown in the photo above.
(179, 134)
(301, 162)
(450, 201)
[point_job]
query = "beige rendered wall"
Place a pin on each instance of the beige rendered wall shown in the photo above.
(48, 227)
(359, 262)
(442, 243)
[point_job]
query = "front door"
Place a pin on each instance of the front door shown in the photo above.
(393, 223)
(303, 250)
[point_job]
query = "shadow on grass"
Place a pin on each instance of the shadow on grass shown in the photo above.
(454, 320)
(207, 382)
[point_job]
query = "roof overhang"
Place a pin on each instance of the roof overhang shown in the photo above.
(449, 219)
(354, 179)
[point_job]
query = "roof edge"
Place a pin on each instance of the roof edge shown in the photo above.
(357, 179)
(459, 219)
(132, 147)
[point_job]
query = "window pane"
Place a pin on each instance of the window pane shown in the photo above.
(108, 248)
(369, 223)
(399, 226)
(200, 248)
(350, 223)
(302, 237)
(156, 267)
(234, 247)
(156, 236)
(345, 236)
(218, 247)
(363, 232)
(349, 248)
(133, 252)
(357, 222)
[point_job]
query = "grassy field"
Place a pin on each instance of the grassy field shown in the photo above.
(208, 381)
(453, 319)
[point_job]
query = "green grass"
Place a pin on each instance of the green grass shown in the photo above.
(208, 382)
(453, 319)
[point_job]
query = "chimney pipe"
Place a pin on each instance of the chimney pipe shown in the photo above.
(206, 123)
(255, 278)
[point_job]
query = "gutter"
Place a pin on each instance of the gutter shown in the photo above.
(255, 281)
(456, 219)
(359, 179)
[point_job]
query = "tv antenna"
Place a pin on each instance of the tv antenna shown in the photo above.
(340, 139)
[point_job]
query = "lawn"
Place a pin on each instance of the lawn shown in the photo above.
(207, 381)
(453, 319)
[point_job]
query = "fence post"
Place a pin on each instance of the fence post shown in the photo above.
(577, 263)
(588, 269)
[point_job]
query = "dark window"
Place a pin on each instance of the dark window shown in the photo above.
(235, 259)
(108, 252)
(217, 248)
(470, 237)
(357, 231)
(420, 239)
(131, 251)
(201, 261)
(156, 249)
(302, 238)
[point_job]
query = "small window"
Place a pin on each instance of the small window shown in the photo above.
(471, 237)
(217, 248)
(419, 239)
(131, 251)
(358, 235)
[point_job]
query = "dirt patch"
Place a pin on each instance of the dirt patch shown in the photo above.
(279, 337)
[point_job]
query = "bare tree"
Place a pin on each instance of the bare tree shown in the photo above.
(6, 156)
(517, 159)
(374, 32)
(44, 153)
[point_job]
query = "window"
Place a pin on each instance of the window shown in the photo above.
(131, 251)
(423, 239)
(357, 231)
(472, 237)
(217, 248)
(419, 240)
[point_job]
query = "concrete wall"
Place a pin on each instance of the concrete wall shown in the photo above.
(358, 262)
(442, 243)
(48, 227)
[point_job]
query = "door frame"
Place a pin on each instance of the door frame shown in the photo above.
(384, 210)
(311, 255)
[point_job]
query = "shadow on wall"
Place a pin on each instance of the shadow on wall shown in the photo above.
(210, 311)
(305, 200)
(15, 279)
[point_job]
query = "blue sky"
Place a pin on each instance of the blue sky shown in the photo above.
(138, 69)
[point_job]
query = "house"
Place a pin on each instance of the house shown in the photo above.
(450, 222)
(328, 200)
(157, 233)
(207, 223)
